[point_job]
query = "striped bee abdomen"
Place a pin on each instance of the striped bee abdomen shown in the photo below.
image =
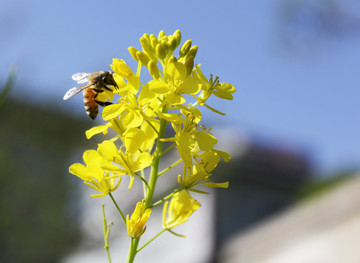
(91, 107)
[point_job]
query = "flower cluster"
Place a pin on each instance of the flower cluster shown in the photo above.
(140, 116)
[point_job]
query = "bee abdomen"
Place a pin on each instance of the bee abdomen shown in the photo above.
(91, 107)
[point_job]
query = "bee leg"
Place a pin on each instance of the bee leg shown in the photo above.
(98, 91)
(108, 88)
(103, 103)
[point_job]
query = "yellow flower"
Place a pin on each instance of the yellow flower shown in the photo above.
(181, 207)
(93, 175)
(128, 110)
(209, 87)
(136, 225)
(200, 174)
(121, 70)
(129, 163)
(191, 179)
(150, 135)
(115, 124)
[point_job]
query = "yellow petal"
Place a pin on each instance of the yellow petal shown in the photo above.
(205, 140)
(176, 71)
(144, 160)
(222, 185)
(226, 156)
(107, 150)
(190, 86)
(132, 119)
(91, 156)
(79, 170)
(96, 130)
(158, 87)
(111, 111)
(133, 139)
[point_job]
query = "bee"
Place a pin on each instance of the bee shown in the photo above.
(92, 85)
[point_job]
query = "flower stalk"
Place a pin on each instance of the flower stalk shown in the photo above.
(140, 116)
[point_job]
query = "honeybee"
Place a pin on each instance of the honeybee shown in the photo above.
(92, 85)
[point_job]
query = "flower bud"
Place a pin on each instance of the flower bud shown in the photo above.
(185, 48)
(144, 59)
(189, 64)
(136, 225)
(172, 59)
(193, 51)
(160, 51)
(133, 51)
(177, 35)
(161, 34)
(153, 41)
(165, 44)
(172, 43)
(153, 69)
(145, 43)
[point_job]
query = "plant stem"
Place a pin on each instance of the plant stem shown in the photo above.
(167, 197)
(118, 208)
(147, 243)
(132, 250)
(170, 167)
(106, 234)
(155, 165)
(151, 185)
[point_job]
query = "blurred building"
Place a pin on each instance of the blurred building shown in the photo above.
(324, 228)
(264, 180)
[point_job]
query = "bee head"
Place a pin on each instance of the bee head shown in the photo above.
(108, 79)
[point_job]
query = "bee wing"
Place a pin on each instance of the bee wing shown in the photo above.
(72, 92)
(81, 77)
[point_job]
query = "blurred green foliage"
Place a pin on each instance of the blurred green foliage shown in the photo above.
(38, 202)
(4, 93)
(318, 187)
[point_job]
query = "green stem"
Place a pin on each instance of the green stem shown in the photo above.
(168, 149)
(142, 179)
(153, 127)
(106, 234)
(118, 208)
(147, 243)
(145, 187)
(132, 251)
(155, 164)
(167, 197)
(214, 110)
(171, 166)
(151, 184)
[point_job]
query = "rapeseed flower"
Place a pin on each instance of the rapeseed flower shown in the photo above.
(136, 224)
(93, 174)
(181, 207)
(142, 116)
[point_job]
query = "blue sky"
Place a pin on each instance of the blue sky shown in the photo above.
(306, 96)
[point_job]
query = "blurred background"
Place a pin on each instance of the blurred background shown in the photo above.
(293, 128)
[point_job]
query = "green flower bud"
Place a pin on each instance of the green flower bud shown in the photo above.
(193, 51)
(153, 41)
(185, 48)
(153, 69)
(177, 35)
(160, 51)
(145, 43)
(172, 43)
(133, 51)
(144, 59)
(189, 64)
(172, 59)
(165, 44)
(161, 34)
